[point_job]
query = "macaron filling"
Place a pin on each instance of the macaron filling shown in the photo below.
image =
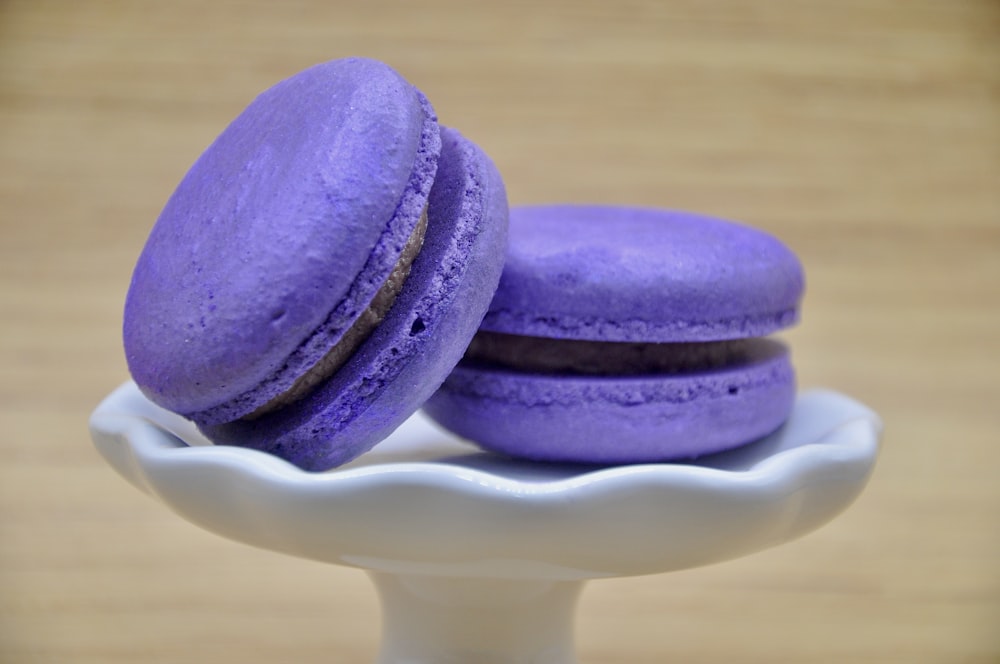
(578, 357)
(360, 330)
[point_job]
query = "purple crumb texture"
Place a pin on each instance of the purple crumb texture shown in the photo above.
(636, 274)
(270, 234)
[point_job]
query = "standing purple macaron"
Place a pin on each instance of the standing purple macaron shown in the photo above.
(319, 270)
(624, 335)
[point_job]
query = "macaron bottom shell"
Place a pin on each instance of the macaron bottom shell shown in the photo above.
(422, 337)
(608, 420)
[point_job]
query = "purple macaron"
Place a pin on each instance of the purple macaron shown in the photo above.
(319, 270)
(624, 335)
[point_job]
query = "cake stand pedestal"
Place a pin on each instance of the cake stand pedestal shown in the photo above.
(445, 620)
(479, 558)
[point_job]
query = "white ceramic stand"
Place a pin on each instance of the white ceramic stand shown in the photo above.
(442, 620)
(478, 558)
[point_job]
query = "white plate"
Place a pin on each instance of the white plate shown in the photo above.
(424, 502)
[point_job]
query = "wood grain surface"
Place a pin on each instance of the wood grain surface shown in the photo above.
(865, 133)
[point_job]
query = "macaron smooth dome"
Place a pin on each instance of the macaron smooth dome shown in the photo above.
(279, 245)
(610, 273)
(423, 337)
(277, 238)
(640, 280)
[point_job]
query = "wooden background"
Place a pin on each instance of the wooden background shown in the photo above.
(865, 133)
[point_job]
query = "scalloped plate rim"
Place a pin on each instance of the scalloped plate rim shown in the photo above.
(154, 443)
(155, 440)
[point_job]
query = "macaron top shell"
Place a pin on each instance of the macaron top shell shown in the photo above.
(636, 274)
(421, 339)
(278, 238)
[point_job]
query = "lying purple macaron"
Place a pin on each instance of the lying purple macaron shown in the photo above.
(319, 270)
(623, 335)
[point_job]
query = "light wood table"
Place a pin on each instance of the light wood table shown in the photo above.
(865, 133)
